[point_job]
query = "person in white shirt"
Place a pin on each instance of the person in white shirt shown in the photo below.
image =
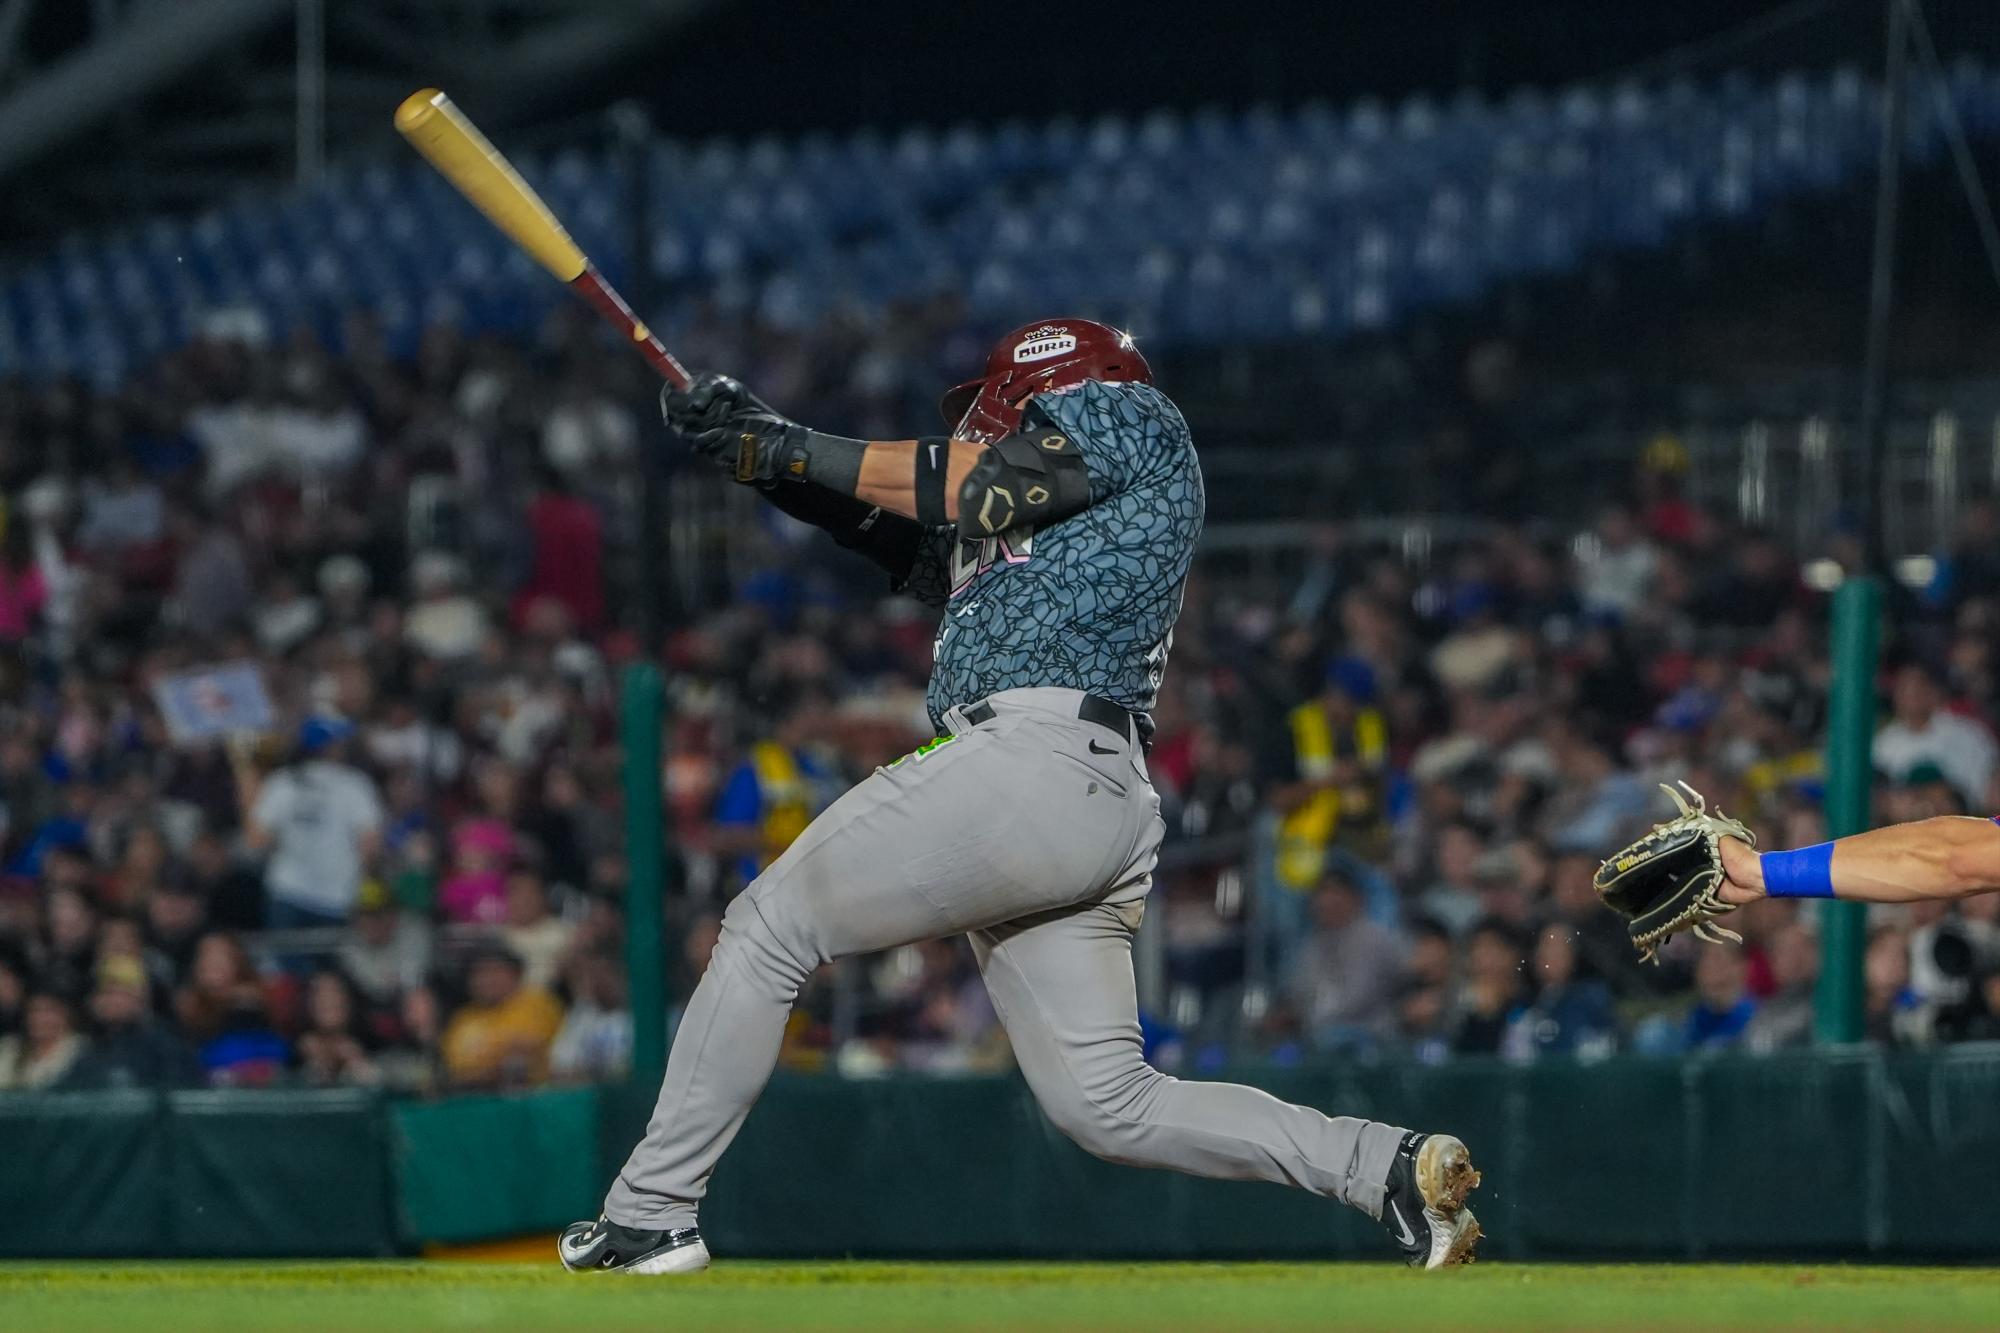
(1924, 731)
(321, 821)
(595, 1042)
(1616, 578)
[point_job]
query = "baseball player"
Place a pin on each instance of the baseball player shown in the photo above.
(1701, 865)
(1055, 525)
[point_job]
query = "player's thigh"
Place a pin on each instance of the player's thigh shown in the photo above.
(983, 829)
(1047, 823)
(1062, 985)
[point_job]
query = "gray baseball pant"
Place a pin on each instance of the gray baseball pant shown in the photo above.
(1035, 832)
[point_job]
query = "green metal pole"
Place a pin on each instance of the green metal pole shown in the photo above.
(641, 720)
(1857, 619)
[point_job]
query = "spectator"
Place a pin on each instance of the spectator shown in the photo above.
(567, 540)
(594, 1044)
(321, 820)
(1569, 1015)
(1785, 1018)
(474, 891)
(1603, 948)
(286, 613)
(231, 894)
(68, 953)
(1888, 1005)
(23, 591)
(1971, 568)
(133, 1049)
(1491, 991)
(13, 992)
(939, 1017)
(46, 1050)
(413, 1063)
(387, 952)
(122, 510)
(175, 917)
(500, 1037)
(1619, 571)
(403, 741)
(1453, 898)
(567, 827)
(1923, 731)
(446, 623)
(1755, 590)
(1518, 695)
(777, 789)
(212, 586)
(1723, 1007)
(534, 934)
(333, 1050)
(1344, 976)
(221, 982)
(1330, 784)
(1599, 803)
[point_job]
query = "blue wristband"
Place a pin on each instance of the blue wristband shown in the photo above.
(1805, 873)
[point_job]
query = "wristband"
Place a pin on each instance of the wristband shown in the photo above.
(1805, 873)
(933, 461)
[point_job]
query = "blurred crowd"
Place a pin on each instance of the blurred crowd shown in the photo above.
(1388, 780)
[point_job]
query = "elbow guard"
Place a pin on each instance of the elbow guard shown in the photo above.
(1037, 478)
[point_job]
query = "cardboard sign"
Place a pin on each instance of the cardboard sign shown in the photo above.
(217, 701)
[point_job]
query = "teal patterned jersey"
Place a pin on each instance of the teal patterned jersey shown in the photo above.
(1088, 603)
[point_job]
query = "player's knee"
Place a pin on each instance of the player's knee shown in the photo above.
(1083, 1123)
(758, 936)
(1105, 1118)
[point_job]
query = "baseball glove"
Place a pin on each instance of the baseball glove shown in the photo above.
(1667, 881)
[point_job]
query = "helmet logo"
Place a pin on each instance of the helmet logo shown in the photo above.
(1043, 343)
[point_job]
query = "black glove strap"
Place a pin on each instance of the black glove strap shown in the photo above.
(832, 462)
(933, 461)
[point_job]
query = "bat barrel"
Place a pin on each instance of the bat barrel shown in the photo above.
(453, 144)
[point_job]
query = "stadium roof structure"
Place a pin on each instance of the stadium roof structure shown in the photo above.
(121, 106)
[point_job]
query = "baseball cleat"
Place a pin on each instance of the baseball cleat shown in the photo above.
(603, 1244)
(1423, 1206)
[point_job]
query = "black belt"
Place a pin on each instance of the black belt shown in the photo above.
(1094, 708)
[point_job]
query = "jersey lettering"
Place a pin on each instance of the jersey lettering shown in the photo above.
(973, 556)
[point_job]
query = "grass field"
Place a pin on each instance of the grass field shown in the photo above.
(1043, 1298)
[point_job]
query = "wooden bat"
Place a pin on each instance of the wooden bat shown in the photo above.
(439, 130)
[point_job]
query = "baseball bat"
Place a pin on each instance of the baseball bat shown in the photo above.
(436, 128)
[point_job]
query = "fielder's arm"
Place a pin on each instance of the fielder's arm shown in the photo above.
(1952, 856)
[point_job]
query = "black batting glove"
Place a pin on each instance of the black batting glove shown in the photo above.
(726, 423)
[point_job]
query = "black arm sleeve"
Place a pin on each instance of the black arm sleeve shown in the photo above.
(1038, 478)
(890, 540)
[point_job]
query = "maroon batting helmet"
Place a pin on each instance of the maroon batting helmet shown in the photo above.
(1049, 354)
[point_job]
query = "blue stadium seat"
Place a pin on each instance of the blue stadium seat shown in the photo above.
(1254, 223)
